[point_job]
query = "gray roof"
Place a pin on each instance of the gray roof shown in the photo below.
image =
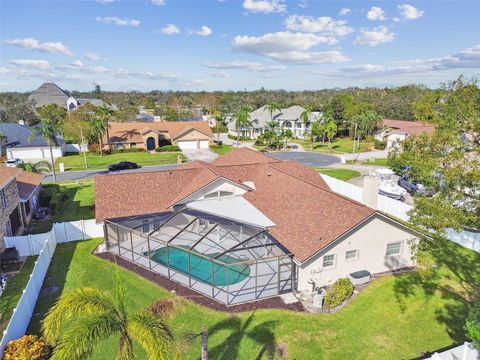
(17, 136)
(97, 103)
(49, 93)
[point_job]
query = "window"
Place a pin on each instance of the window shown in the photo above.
(145, 226)
(225, 193)
(219, 193)
(351, 255)
(3, 198)
(394, 248)
(211, 195)
(329, 261)
(133, 145)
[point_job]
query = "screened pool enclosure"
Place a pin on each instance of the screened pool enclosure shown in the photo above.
(228, 261)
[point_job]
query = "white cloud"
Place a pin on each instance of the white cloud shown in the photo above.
(246, 65)
(396, 19)
(158, 2)
(204, 31)
(344, 11)
(4, 71)
(117, 21)
(375, 36)
(376, 13)
(265, 6)
(288, 47)
(410, 12)
(37, 64)
(78, 65)
(219, 74)
(323, 24)
(170, 29)
(92, 56)
(47, 47)
(468, 58)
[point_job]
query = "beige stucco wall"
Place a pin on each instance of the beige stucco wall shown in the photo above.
(13, 201)
(371, 240)
(193, 135)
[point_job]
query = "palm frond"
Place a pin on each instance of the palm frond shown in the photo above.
(125, 349)
(152, 333)
(78, 303)
(84, 334)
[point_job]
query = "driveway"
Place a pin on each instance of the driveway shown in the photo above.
(307, 158)
(206, 155)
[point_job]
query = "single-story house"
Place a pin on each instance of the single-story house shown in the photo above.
(141, 135)
(246, 227)
(50, 93)
(289, 118)
(394, 131)
(17, 144)
(19, 197)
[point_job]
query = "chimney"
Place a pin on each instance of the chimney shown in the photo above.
(371, 184)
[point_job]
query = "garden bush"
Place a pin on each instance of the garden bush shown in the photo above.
(56, 202)
(121, 151)
(47, 193)
(242, 138)
(164, 142)
(379, 145)
(341, 290)
(259, 142)
(472, 324)
(28, 347)
(167, 148)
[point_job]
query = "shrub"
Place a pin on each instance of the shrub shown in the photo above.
(164, 142)
(341, 290)
(472, 324)
(121, 151)
(259, 142)
(28, 347)
(242, 138)
(56, 202)
(379, 145)
(167, 148)
(47, 193)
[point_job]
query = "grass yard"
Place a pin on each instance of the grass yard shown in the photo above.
(339, 145)
(15, 285)
(222, 149)
(79, 204)
(95, 161)
(395, 317)
(379, 162)
(340, 174)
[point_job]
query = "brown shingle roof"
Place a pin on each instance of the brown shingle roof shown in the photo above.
(7, 174)
(307, 214)
(409, 127)
(27, 183)
(132, 131)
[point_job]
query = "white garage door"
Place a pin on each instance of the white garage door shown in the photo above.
(25, 153)
(185, 145)
(203, 144)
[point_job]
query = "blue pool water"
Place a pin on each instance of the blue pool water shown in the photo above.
(201, 268)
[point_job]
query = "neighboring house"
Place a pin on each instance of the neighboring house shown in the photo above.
(50, 93)
(466, 351)
(289, 118)
(18, 145)
(393, 131)
(19, 193)
(246, 227)
(141, 135)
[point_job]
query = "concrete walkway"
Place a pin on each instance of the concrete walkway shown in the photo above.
(377, 154)
(227, 141)
(206, 155)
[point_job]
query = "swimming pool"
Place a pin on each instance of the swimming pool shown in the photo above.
(201, 268)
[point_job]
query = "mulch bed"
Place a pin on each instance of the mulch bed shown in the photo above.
(185, 292)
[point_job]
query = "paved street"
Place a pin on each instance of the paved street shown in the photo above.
(308, 158)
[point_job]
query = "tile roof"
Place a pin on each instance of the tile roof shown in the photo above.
(27, 183)
(308, 216)
(132, 131)
(7, 174)
(409, 127)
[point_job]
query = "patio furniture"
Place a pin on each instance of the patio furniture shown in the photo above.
(10, 255)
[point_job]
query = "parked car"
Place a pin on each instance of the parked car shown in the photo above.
(412, 187)
(14, 162)
(123, 165)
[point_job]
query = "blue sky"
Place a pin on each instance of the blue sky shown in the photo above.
(244, 44)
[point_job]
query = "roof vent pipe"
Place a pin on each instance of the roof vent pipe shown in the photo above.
(269, 174)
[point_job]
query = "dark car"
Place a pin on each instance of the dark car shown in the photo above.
(123, 165)
(412, 187)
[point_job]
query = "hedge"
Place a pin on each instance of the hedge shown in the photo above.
(340, 291)
(167, 148)
(379, 145)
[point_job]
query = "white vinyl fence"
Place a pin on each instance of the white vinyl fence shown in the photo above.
(44, 246)
(400, 210)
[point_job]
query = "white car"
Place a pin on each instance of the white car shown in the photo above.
(13, 162)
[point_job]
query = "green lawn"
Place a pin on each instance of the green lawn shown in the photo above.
(79, 204)
(339, 145)
(394, 317)
(15, 285)
(95, 161)
(340, 174)
(379, 162)
(220, 150)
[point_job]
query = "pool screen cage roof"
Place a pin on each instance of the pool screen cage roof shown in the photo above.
(223, 259)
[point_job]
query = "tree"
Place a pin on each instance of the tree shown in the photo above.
(220, 123)
(80, 320)
(286, 135)
(271, 108)
(242, 119)
(472, 325)
(49, 131)
(98, 128)
(104, 113)
(330, 132)
(54, 113)
(15, 107)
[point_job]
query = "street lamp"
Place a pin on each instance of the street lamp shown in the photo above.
(82, 148)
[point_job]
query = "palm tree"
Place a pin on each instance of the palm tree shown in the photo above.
(99, 127)
(286, 135)
(305, 116)
(104, 112)
(242, 120)
(330, 131)
(271, 108)
(272, 129)
(220, 122)
(83, 318)
(49, 131)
